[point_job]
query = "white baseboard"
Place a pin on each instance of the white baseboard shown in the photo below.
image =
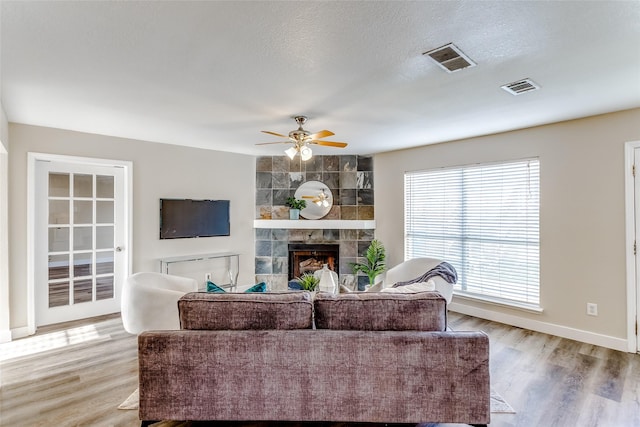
(20, 332)
(5, 335)
(614, 343)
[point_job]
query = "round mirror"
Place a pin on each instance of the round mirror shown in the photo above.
(319, 199)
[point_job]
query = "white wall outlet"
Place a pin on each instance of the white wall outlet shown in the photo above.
(207, 276)
(592, 309)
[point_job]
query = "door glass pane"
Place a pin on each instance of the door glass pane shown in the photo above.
(58, 267)
(58, 185)
(58, 294)
(104, 186)
(82, 264)
(82, 238)
(59, 239)
(104, 237)
(83, 185)
(104, 262)
(104, 287)
(82, 211)
(58, 211)
(82, 291)
(104, 212)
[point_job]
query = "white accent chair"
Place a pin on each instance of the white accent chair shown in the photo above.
(150, 301)
(416, 267)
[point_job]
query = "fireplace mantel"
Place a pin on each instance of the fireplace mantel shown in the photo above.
(339, 224)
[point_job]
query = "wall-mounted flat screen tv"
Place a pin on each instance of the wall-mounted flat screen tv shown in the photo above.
(184, 218)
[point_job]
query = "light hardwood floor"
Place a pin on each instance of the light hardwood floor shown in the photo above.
(77, 374)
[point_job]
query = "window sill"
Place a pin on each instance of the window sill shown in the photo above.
(530, 308)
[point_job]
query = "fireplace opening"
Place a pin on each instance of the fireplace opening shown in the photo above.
(305, 258)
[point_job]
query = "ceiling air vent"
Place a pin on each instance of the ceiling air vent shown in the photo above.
(450, 58)
(521, 86)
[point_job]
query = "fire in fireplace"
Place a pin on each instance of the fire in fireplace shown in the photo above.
(306, 258)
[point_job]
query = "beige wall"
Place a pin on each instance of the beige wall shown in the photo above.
(5, 334)
(159, 170)
(4, 129)
(582, 230)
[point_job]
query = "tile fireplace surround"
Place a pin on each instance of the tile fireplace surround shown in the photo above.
(350, 179)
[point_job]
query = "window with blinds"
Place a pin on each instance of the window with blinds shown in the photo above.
(482, 219)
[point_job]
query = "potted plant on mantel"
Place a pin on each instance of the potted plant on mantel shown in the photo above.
(375, 261)
(295, 205)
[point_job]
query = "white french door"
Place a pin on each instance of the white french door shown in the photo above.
(80, 230)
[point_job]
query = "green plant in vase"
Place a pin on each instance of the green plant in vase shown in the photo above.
(295, 205)
(375, 261)
(308, 282)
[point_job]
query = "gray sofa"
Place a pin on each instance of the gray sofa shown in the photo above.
(372, 357)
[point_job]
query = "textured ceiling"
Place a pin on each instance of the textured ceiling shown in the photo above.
(214, 74)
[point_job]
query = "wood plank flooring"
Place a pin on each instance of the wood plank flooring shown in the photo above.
(76, 374)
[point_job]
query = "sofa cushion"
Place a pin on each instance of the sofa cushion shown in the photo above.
(241, 311)
(378, 311)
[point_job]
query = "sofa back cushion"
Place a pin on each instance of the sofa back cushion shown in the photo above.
(241, 311)
(372, 311)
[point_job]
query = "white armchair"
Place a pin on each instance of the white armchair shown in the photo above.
(416, 267)
(150, 301)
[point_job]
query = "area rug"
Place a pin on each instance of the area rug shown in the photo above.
(132, 401)
(498, 404)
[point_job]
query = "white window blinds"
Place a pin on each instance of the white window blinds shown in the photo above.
(483, 220)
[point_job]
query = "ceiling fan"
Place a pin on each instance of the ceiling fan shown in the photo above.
(301, 139)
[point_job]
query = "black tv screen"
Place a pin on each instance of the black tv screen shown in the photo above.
(183, 218)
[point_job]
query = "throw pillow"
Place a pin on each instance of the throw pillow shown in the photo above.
(212, 287)
(294, 285)
(259, 287)
(429, 285)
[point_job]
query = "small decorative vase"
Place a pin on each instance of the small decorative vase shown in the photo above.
(327, 280)
(294, 213)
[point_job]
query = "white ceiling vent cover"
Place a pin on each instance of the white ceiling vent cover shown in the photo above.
(450, 58)
(521, 86)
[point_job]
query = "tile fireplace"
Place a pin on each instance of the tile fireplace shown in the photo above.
(349, 226)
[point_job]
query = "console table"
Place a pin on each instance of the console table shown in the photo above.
(232, 264)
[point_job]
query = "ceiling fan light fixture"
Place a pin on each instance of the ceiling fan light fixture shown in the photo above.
(305, 153)
(291, 152)
(301, 138)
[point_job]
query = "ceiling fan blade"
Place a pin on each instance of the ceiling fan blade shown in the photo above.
(330, 143)
(321, 134)
(274, 133)
(276, 142)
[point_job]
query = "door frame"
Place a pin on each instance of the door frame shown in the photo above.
(633, 275)
(32, 158)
